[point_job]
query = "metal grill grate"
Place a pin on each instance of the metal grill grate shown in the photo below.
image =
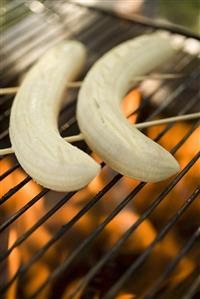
(23, 43)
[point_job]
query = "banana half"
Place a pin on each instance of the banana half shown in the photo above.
(38, 146)
(106, 130)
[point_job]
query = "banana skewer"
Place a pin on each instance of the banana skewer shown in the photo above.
(77, 84)
(143, 125)
(59, 165)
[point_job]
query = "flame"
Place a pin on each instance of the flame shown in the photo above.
(34, 278)
(187, 150)
(26, 221)
(171, 248)
(7, 183)
(130, 103)
(175, 199)
(125, 296)
(137, 242)
(13, 265)
(171, 245)
(96, 157)
(96, 184)
(19, 199)
(70, 288)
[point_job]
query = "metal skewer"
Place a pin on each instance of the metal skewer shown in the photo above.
(77, 84)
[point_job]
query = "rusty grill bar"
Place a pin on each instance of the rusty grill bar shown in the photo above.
(100, 32)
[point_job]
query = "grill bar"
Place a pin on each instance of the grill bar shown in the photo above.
(169, 99)
(71, 22)
(14, 190)
(161, 134)
(5, 133)
(98, 46)
(180, 62)
(75, 25)
(22, 11)
(136, 264)
(38, 224)
(27, 29)
(48, 39)
(102, 39)
(194, 287)
(30, 46)
(5, 115)
(106, 258)
(11, 6)
(9, 171)
(176, 92)
(91, 237)
(41, 194)
(42, 220)
(21, 212)
(151, 208)
(158, 110)
(6, 196)
(156, 288)
(15, 44)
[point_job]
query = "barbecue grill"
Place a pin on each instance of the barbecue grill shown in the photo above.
(63, 249)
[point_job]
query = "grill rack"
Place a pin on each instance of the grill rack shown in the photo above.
(8, 78)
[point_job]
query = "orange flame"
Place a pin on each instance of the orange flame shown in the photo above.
(130, 103)
(13, 265)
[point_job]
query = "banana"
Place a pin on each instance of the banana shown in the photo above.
(38, 146)
(101, 121)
